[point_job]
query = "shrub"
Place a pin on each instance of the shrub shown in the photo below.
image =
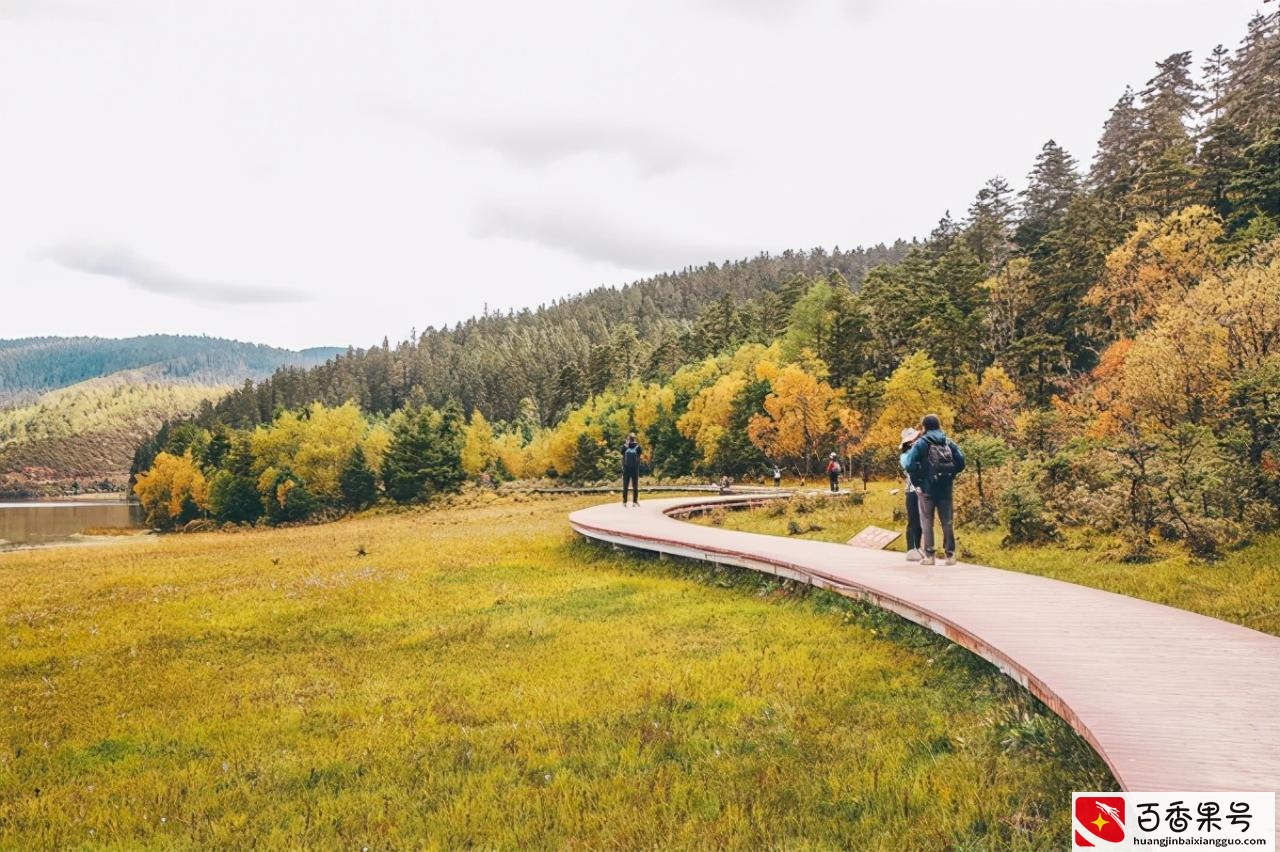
(1022, 513)
(1206, 537)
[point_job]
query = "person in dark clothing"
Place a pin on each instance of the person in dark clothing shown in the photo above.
(631, 469)
(833, 473)
(909, 436)
(933, 461)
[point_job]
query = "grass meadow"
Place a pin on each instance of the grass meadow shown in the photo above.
(474, 676)
(1243, 586)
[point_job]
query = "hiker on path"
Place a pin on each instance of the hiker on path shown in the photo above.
(833, 473)
(909, 437)
(631, 469)
(933, 462)
(777, 476)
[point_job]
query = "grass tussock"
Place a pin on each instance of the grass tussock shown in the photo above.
(472, 676)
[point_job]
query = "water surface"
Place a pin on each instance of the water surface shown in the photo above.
(40, 522)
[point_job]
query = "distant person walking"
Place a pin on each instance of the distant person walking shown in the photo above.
(777, 476)
(933, 462)
(631, 469)
(833, 473)
(909, 437)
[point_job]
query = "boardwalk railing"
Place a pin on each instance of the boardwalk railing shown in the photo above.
(1171, 700)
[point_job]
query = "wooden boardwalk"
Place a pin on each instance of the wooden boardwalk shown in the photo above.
(1171, 700)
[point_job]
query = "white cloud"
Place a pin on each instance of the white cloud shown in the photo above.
(595, 237)
(122, 264)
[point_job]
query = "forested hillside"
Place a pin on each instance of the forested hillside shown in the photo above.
(31, 366)
(540, 363)
(1105, 343)
(84, 436)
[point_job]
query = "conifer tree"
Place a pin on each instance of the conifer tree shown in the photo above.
(358, 483)
(1051, 185)
(1115, 162)
(989, 224)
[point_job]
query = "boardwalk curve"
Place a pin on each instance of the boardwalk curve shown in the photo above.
(1171, 700)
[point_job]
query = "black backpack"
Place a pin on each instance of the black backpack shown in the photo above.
(631, 456)
(941, 463)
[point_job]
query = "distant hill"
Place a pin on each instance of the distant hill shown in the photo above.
(74, 409)
(34, 365)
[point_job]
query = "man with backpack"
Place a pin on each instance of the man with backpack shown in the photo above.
(631, 469)
(932, 463)
(833, 472)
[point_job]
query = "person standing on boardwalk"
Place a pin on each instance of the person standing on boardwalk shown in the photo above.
(933, 462)
(777, 476)
(909, 437)
(833, 473)
(631, 469)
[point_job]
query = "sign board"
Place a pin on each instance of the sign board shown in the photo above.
(874, 538)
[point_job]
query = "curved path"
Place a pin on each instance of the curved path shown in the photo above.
(1170, 699)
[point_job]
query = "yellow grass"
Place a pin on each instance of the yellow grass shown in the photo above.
(472, 676)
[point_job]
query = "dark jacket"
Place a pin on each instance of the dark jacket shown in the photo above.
(917, 459)
(631, 461)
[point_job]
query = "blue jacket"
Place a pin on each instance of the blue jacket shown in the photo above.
(915, 459)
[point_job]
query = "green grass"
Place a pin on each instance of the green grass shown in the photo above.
(480, 678)
(1242, 587)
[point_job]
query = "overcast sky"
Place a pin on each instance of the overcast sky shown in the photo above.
(319, 172)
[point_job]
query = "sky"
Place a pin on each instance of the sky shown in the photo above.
(330, 173)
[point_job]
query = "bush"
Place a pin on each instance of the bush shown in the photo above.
(1022, 513)
(1206, 537)
(1261, 516)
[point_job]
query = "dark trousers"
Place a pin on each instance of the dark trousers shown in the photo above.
(941, 504)
(632, 478)
(835, 481)
(913, 520)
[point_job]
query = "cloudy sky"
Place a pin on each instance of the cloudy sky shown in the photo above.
(323, 172)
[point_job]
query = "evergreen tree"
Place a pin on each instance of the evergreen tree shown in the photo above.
(1170, 103)
(1255, 187)
(234, 499)
(735, 454)
(1053, 182)
(405, 465)
(358, 482)
(1251, 97)
(589, 457)
(1115, 162)
(569, 389)
(288, 499)
(1215, 73)
(989, 225)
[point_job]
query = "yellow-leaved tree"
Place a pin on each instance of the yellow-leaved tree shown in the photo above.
(912, 391)
(174, 491)
(315, 445)
(707, 417)
(1159, 263)
(996, 404)
(479, 446)
(804, 417)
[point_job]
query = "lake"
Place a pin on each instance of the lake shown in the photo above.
(41, 522)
